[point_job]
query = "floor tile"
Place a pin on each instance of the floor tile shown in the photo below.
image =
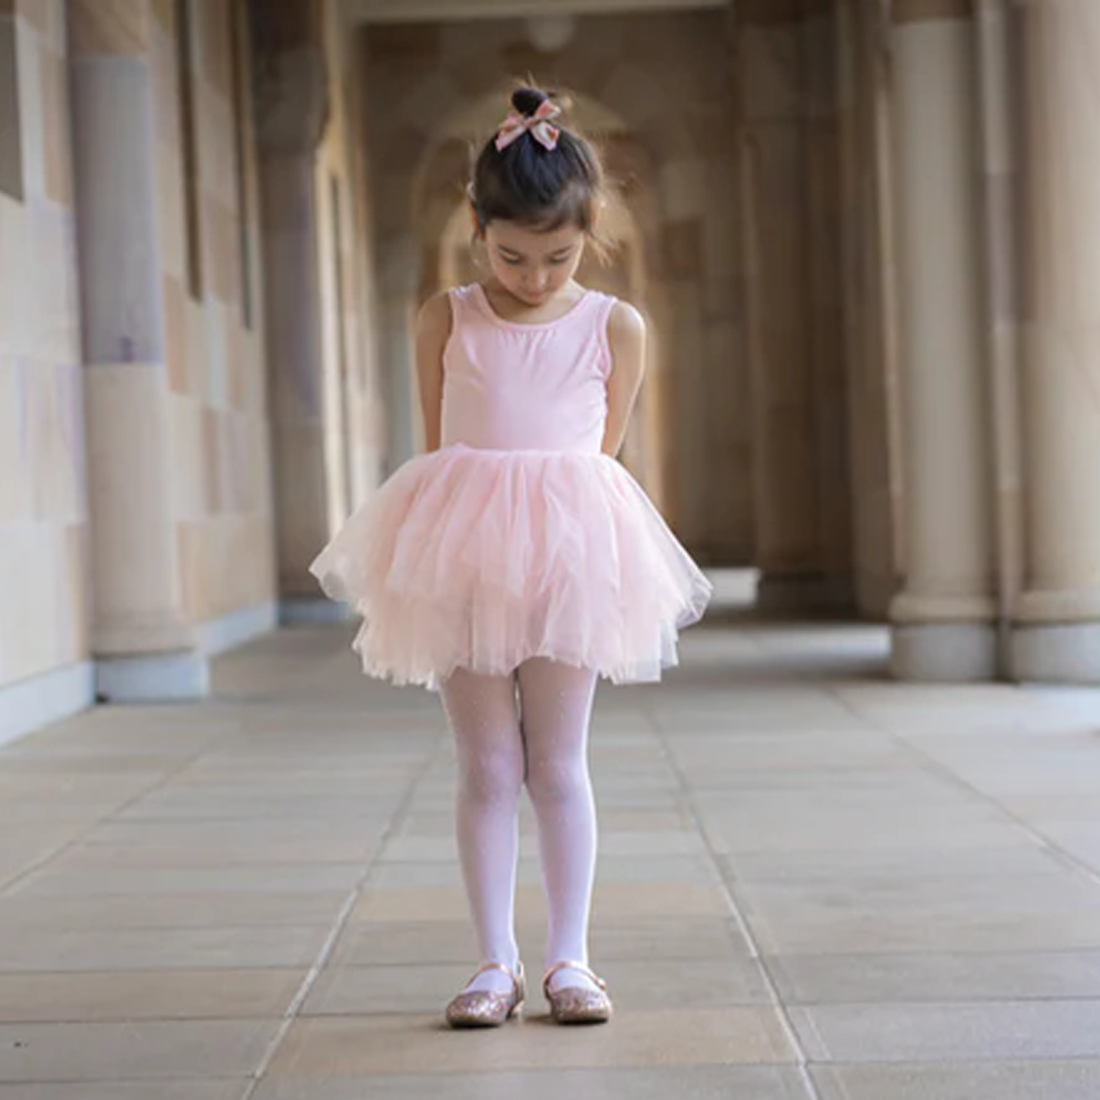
(34, 950)
(995, 976)
(681, 1083)
(1023, 857)
(145, 1049)
(950, 1032)
(413, 1044)
(92, 854)
(125, 1090)
(52, 882)
(170, 910)
(1008, 1080)
(74, 997)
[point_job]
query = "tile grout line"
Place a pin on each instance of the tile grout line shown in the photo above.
(781, 1010)
(339, 924)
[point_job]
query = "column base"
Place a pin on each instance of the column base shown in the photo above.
(237, 628)
(171, 676)
(30, 704)
(944, 652)
(818, 593)
(1065, 653)
(153, 678)
(307, 611)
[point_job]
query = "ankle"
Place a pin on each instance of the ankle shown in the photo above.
(569, 972)
(508, 958)
(496, 976)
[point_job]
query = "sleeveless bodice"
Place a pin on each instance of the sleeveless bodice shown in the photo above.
(517, 387)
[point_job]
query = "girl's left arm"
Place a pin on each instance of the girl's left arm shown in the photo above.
(626, 338)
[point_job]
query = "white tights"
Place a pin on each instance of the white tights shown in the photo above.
(544, 744)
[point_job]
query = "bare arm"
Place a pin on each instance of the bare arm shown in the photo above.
(433, 327)
(626, 337)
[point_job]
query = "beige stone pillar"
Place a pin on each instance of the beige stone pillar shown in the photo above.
(943, 619)
(1000, 180)
(827, 351)
(291, 111)
(865, 221)
(771, 153)
(177, 457)
(1057, 635)
(142, 637)
(788, 154)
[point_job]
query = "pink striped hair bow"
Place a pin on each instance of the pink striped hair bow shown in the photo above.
(542, 130)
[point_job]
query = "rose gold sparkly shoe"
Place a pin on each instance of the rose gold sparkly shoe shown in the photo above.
(577, 1004)
(484, 1008)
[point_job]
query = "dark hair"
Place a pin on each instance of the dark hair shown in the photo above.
(535, 186)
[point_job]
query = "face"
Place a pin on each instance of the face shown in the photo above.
(533, 266)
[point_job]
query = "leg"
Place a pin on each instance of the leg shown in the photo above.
(556, 705)
(482, 714)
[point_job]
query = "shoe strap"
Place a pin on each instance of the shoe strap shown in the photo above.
(516, 975)
(579, 967)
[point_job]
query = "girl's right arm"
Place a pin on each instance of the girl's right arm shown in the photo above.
(433, 328)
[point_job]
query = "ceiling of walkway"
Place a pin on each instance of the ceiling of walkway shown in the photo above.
(414, 11)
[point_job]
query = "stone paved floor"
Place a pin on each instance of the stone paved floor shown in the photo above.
(813, 883)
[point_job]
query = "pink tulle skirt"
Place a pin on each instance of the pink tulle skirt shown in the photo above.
(481, 559)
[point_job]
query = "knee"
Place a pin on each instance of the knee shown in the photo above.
(554, 782)
(493, 776)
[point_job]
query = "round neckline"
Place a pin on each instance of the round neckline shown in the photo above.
(524, 326)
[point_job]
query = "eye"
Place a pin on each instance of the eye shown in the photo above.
(511, 261)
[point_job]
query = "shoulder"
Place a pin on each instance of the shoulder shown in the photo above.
(434, 317)
(625, 331)
(624, 322)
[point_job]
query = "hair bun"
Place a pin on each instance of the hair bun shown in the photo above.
(528, 100)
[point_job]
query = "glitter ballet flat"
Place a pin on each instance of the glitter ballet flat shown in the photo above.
(577, 1004)
(485, 1008)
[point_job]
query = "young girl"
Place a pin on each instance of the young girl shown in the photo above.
(516, 561)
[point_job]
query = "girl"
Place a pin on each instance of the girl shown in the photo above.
(517, 560)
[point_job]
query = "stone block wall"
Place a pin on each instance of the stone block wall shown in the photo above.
(44, 594)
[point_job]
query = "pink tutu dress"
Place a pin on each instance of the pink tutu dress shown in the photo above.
(517, 538)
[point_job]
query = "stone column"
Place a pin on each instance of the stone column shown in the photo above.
(788, 159)
(871, 364)
(1057, 635)
(825, 320)
(1000, 197)
(772, 165)
(291, 111)
(142, 636)
(176, 434)
(943, 619)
